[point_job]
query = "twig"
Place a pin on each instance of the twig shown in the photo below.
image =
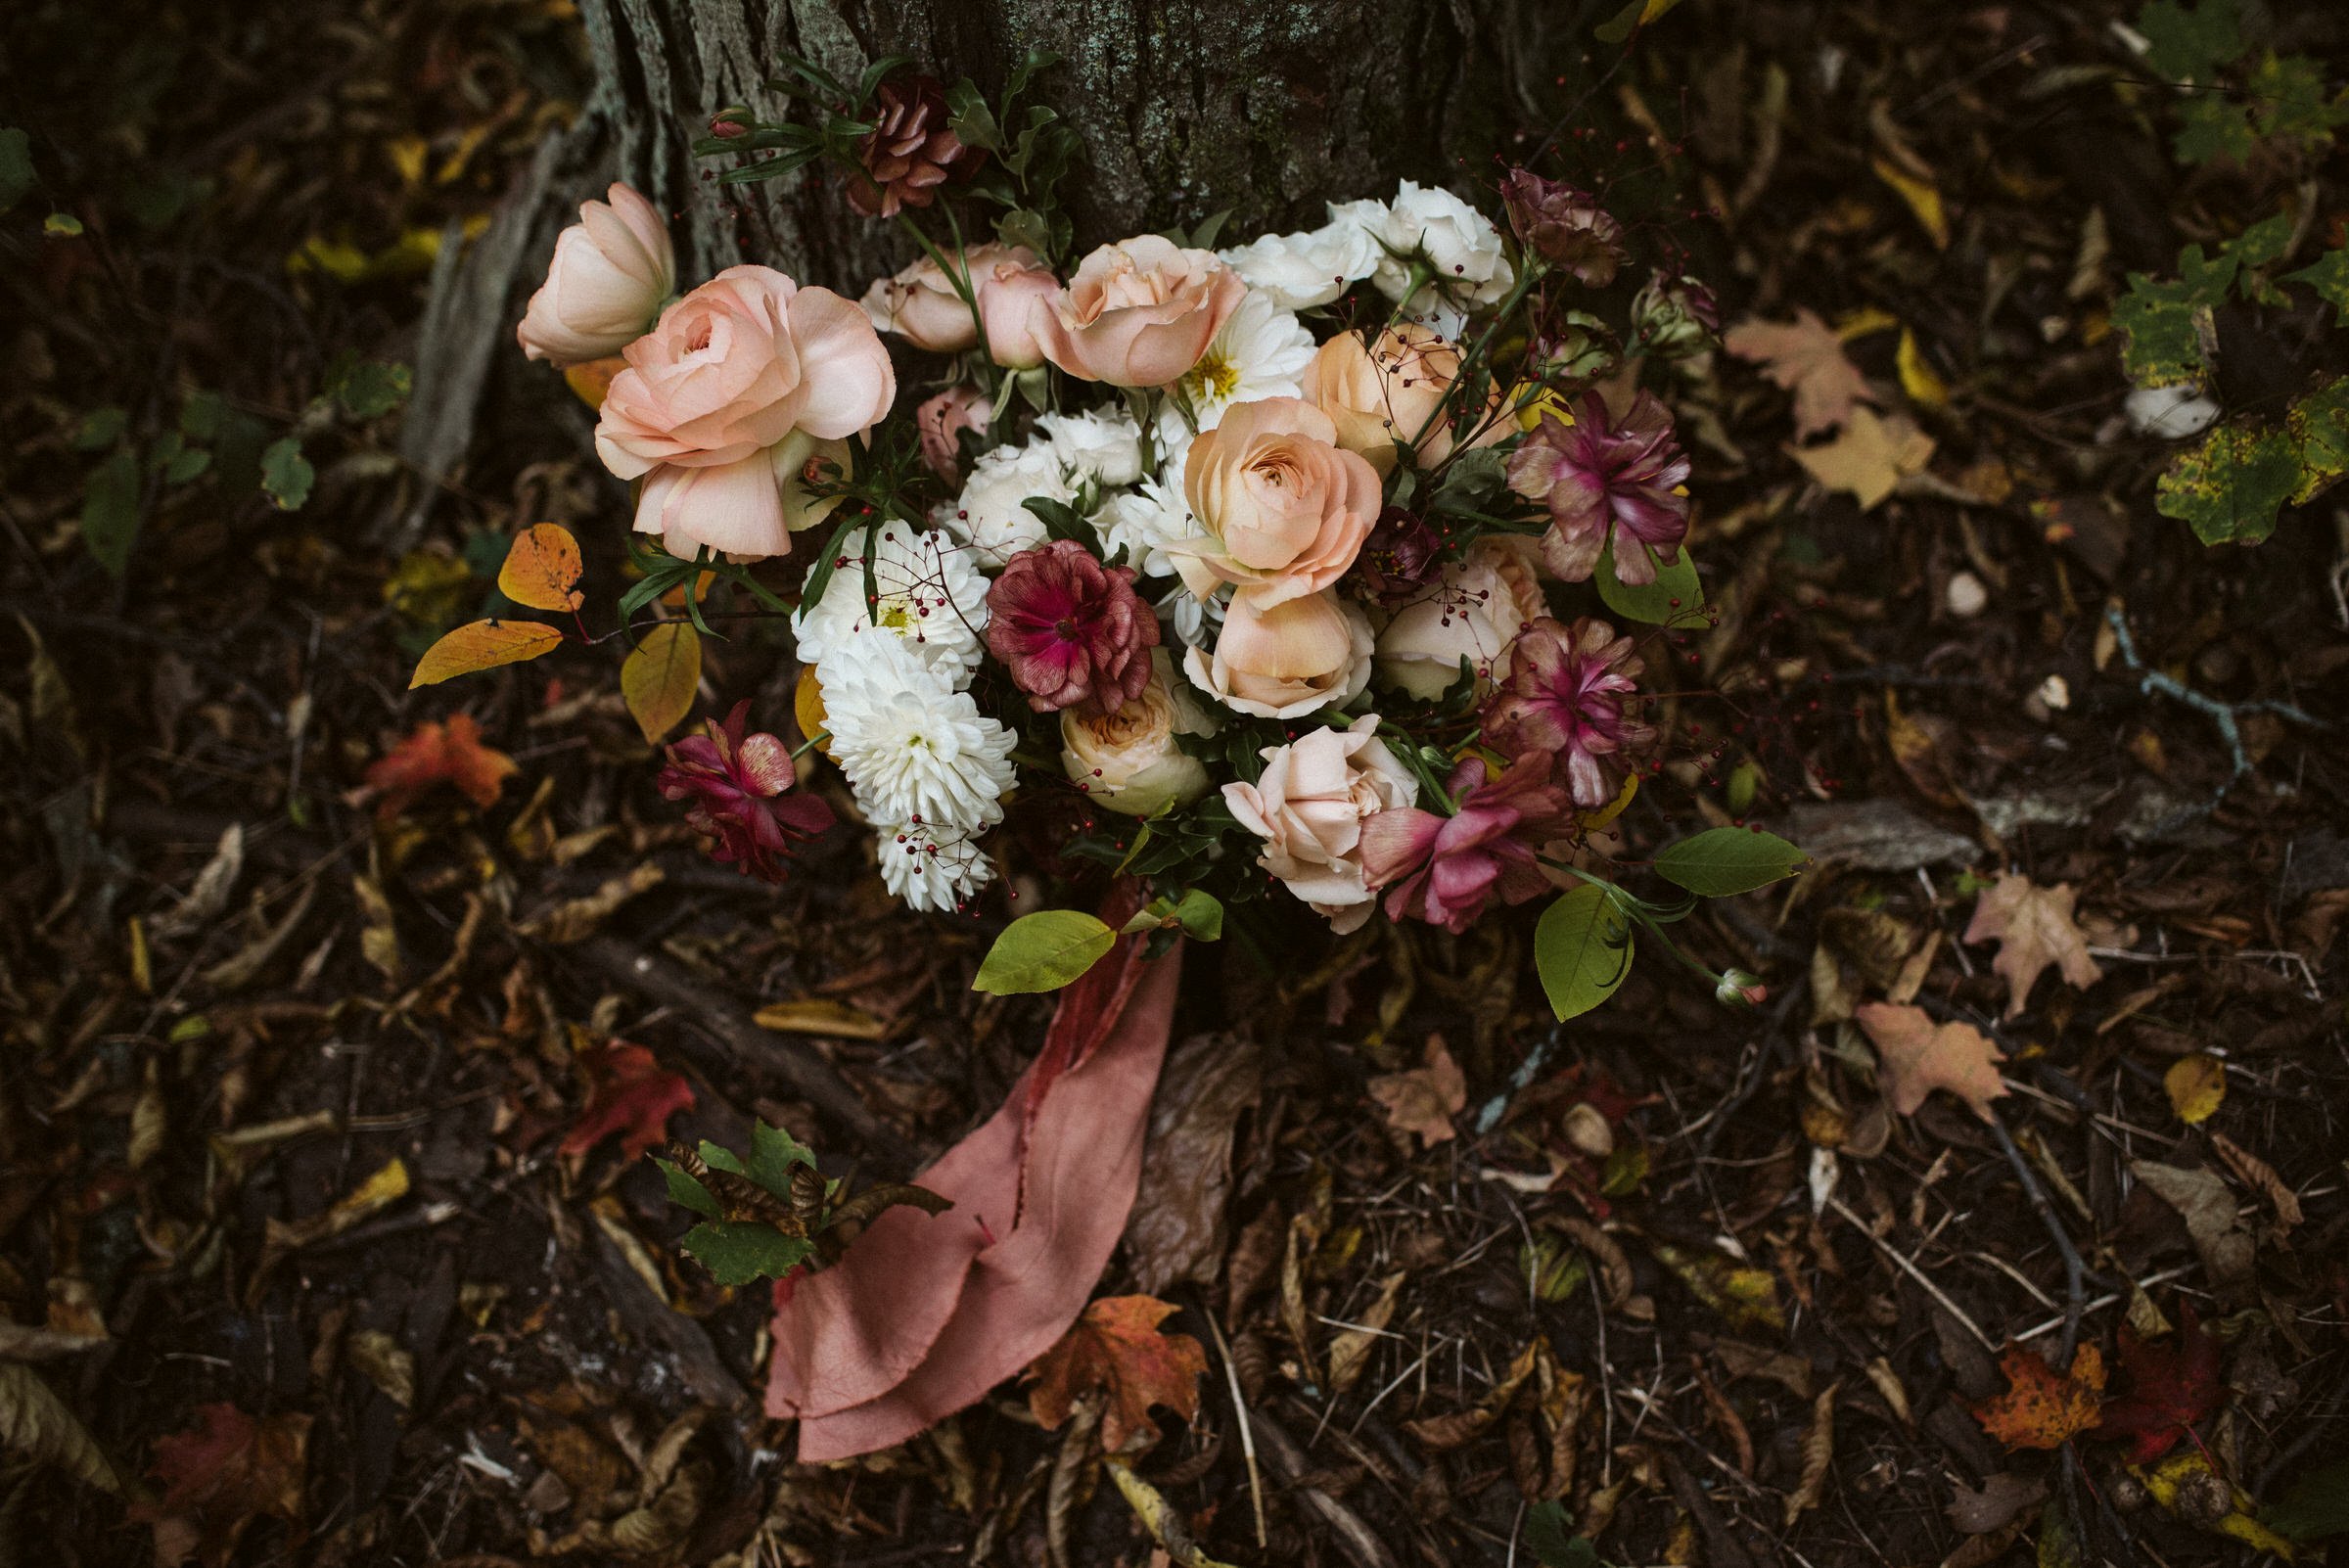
(1239, 1406)
(1914, 1272)
(2075, 1271)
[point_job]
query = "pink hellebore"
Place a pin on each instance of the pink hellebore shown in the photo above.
(1601, 478)
(1572, 690)
(1072, 631)
(737, 784)
(1446, 869)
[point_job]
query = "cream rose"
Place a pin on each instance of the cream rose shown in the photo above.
(1474, 612)
(1140, 312)
(1129, 760)
(1309, 806)
(1388, 391)
(611, 271)
(920, 305)
(1283, 509)
(1285, 659)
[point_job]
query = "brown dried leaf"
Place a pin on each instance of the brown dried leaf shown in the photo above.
(2004, 1495)
(37, 1426)
(2205, 1203)
(1351, 1351)
(2035, 927)
(1819, 1456)
(1179, 1229)
(1805, 357)
(1117, 1348)
(1424, 1100)
(578, 920)
(1871, 458)
(1919, 1056)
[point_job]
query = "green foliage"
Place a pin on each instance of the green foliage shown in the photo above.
(739, 1251)
(1195, 913)
(1674, 597)
(1550, 1536)
(287, 475)
(1722, 863)
(1044, 951)
(2166, 323)
(2229, 488)
(2328, 276)
(2316, 1507)
(2318, 425)
(368, 389)
(17, 177)
(109, 512)
(1583, 948)
(2191, 44)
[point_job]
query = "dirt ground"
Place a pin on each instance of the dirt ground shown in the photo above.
(285, 1202)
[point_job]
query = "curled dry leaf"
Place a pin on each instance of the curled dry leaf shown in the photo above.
(1424, 1100)
(1919, 1056)
(578, 920)
(2034, 927)
(2205, 1203)
(1818, 1456)
(1179, 1229)
(2002, 1497)
(2040, 1410)
(37, 1426)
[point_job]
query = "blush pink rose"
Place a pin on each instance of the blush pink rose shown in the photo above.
(940, 422)
(749, 509)
(1387, 391)
(1140, 312)
(1285, 659)
(605, 285)
(1308, 808)
(1020, 305)
(920, 305)
(1473, 612)
(1283, 510)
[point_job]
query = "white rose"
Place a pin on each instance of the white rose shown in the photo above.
(1105, 447)
(1462, 245)
(1474, 612)
(1128, 760)
(1313, 267)
(992, 515)
(1307, 806)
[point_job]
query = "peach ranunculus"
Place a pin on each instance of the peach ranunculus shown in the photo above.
(747, 509)
(1283, 509)
(1387, 391)
(1285, 659)
(730, 371)
(920, 305)
(1020, 305)
(1129, 761)
(1309, 806)
(1473, 612)
(610, 273)
(1140, 312)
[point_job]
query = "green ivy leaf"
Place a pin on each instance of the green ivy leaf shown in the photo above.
(1721, 863)
(287, 475)
(739, 1251)
(109, 512)
(2328, 275)
(2166, 323)
(1675, 595)
(2190, 45)
(1044, 951)
(970, 119)
(2210, 127)
(1581, 949)
(16, 166)
(2319, 425)
(687, 1191)
(2287, 97)
(2229, 488)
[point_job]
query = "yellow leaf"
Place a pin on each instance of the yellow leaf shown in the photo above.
(807, 705)
(1918, 379)
(818, 1015)
(1864, 322)
(483, 645)
(1923, 199)
(408, 153)
(1869, 458)
(387, 1185)
(658, 679)
(542, 567)
(1161, 1518)
(2197, 1085)
(590, 379)
(1594, 820)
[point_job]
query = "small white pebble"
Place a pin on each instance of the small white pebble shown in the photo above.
(2056, 692)
(1966, 595)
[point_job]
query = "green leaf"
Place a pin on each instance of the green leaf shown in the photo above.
(1676, 594)
(1061, 521)
(1550, 1536)
(2211, 126)
(186, 464)
(688, 1191)
(109, 512)
(739, 1251)
(2288, 98)
(2167, 323)
(16, 166)
(2229, 488)
(1025, 227)
(1583, 949)
(201, 414)
(2256, 247)
(2316, 1507)
(773, 1154)
(100, 429)
(2319, 425)
(287, 475)
(1471, 478)
(1044, 951)
(61, 226)
(369, 389)
(2190, 45)
(2328, 275)
(1632, 17)
(1196, 912)
(970, 119)
(1721, 863)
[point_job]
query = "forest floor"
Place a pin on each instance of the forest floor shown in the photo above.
(320, 1237)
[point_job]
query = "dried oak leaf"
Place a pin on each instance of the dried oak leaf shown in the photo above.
(1117, 1348)
(1424, 1100)
(1919, 1056)
(2173, 1382)
(1871, 458)
(439, 753)
(630, 1094)
(2040, 1410)
(1805, 357)
(2035, 927)
(220, 1475)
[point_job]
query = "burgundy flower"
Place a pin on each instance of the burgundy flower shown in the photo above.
(737, 783)
(1072, 631)
(909, 151)
(1572, 690)
(1446, 869)
(1564, 226)
(1400, 557)
(1600, 477)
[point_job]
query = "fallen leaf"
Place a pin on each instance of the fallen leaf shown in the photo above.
(483, 645)
(2196, 1086)
(38, 1427)
(542, 568)
(1871, 458)
(1424, 1100)
(2004, 1495)
(439, 753)
(1921, 381)
(2034, 927)
(1351, 1351)
(2204, 1202)
(1818, 1456)
(819, 1015)
(1117, 1348)
(1746, 1296)
(220, 1475)
(1919, 1056)
(2189, 1487)
(2254, 1172)
(2172, 1383)
(1163, 1520)
(628, 1094)
(578, 920)
(1443, 1433)
(2040, 1410)
(1805, 357)
(1922, 194)
(1179, 1226)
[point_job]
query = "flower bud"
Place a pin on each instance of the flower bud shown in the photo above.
(1584, 350)
(1737, 989)
(1676, 317)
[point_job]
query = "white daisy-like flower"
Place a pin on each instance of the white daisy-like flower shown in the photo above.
(1262, 351)
(1143, 521)
(991, 514)
(915, 749)
(1315, 267)
(930, 869)
(1460, 243)
(931, 598)
(1192, 619)
(1104, 446)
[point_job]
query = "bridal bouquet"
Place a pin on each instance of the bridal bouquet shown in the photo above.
(1330, 564)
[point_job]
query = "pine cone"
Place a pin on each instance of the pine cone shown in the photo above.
(909, 151)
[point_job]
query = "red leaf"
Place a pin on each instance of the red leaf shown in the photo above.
(2173, 1383)
(1116, 1346)
(220, 1475)
(439, 753)
(629, 1095)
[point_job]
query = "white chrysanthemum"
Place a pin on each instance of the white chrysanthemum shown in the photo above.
(1262, 351)
(931, 598)
(1461, 244)
(915, 749)
(1142, 522)
(1105, 447)
(929, 869)
(991, 514)
(1314, 268)
(1191, 617)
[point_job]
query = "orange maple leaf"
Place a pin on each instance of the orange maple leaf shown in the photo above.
(439, 753)
(1116, 1347)
(2035, 928)
(1919, 1056)
(2040, 1410)
(221, 1474)
(1424, 1100)
(1805, 357)
(629, 1094)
